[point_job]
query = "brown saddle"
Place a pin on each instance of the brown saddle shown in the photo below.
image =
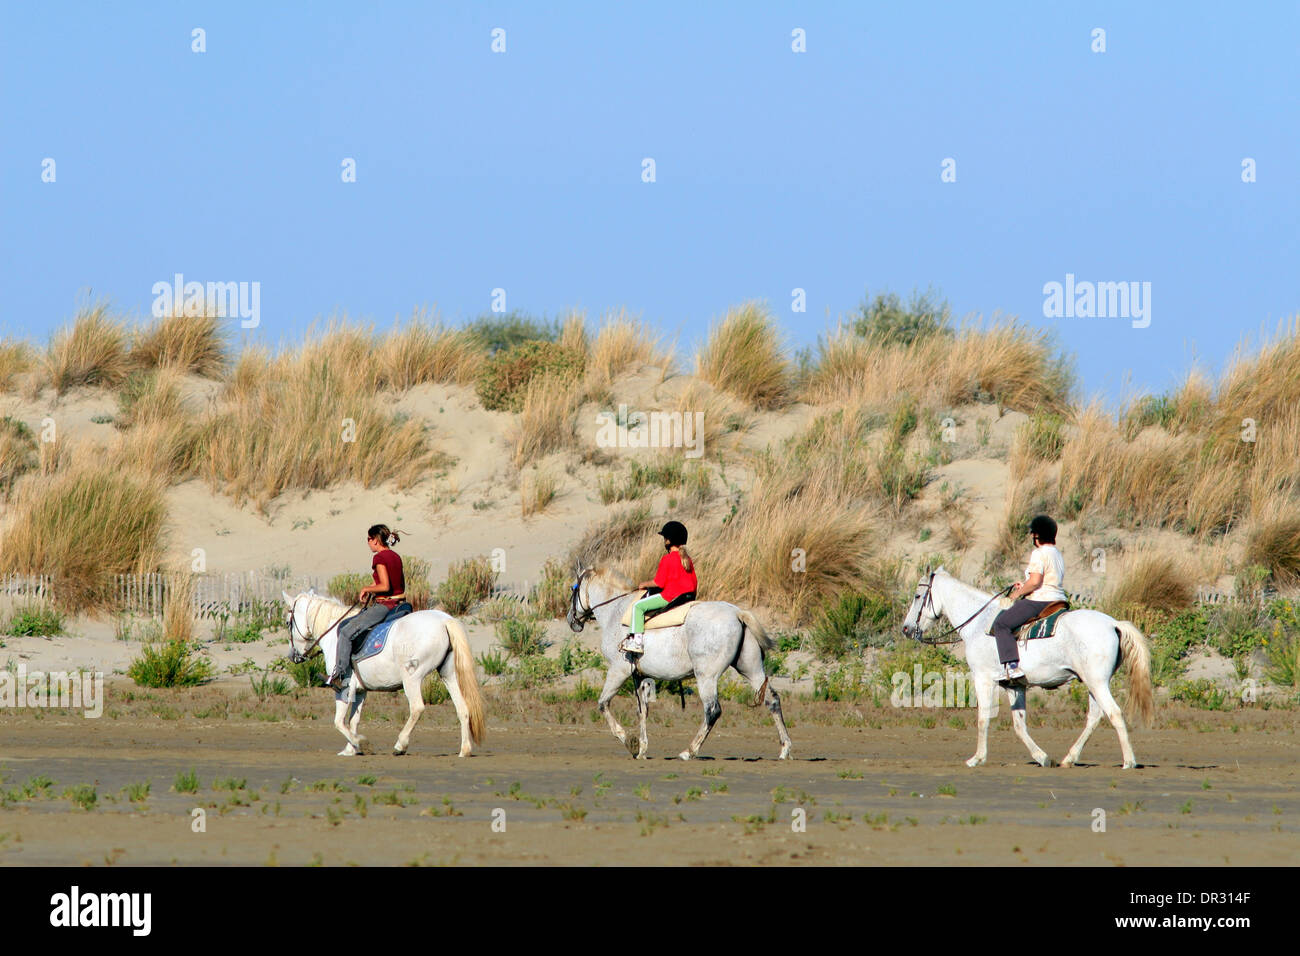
(1048, 612)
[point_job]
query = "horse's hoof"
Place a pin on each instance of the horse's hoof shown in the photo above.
(1066, 762)
(785, 754)
(346, 752)
(1046, 761)
(398, 753)
(974, 761)
(633, 747)
(1131, 766)
(684, 755)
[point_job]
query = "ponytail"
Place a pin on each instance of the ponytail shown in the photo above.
(387, 537)
(687, 564)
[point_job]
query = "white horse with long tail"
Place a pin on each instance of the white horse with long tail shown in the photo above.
(715, 636)
(1087, 645)
(418, 644)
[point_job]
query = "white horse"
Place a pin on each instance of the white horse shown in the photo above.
(716, 636)
(418, 644)
(1087, 645)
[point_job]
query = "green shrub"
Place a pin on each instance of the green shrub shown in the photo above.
(173, 664)
(186, 782)
(1282, 649)
(498, 333)
(34, 620)
(1201, 693)
(467, 583)
(345, 586)
(574, 658)
(1043, 436)
(520, 636)
(433, 690)
(268, 684)
(1237, 630)
(1171, 642)
(309, 673)
(888, 319)
(532, 671)
(83, 795)
(18, 452)
(850, 622)
(493, 663)
(551, 595)
(501, 383)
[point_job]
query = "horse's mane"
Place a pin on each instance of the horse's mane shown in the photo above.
(611, 578)
(969, 588)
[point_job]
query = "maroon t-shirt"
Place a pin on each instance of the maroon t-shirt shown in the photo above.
(396, 582)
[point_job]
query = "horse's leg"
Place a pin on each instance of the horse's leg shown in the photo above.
(341, 711)
(412, 684)
(1094, 718)
(448, 675)
(1101, 690)
(750, 666)
(1016, 701)
(618, 672)
(355, 723)
(987, 700)
(708, 690)
(643, 692)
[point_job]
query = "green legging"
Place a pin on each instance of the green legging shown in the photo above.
(652, 603)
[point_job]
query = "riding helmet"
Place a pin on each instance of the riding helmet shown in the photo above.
(675, 532)
(1044, 528)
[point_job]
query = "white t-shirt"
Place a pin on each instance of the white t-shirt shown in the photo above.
(1050, 563)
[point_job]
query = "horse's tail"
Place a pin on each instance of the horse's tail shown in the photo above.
(1137, 655)
(750, 623)
(467, 680)
(765, 643)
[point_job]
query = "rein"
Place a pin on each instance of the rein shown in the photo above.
(945, 637)
(588, 613)
(293, 628)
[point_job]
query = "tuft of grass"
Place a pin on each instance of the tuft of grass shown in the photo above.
(744, 357)
(186, 781)
(536, 492)
(15, 360)
(550, 596)
(422, 351)
(1274, 543)
(468, 582)
(171, 664)
(18, 453)
(1152, 581)
(622, 344)
(888, 320)
(520, 636)
(92, 351)
(190, 343)
(34, 620)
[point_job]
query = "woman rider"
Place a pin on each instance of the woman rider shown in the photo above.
(389, 588)
(674, 583)
(1044, 583)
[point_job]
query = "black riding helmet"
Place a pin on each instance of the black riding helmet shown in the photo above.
(675, 532)
(1044, 528)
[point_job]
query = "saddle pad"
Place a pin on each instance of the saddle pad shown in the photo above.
(673, 617)
(378, 636)
(1043, 627)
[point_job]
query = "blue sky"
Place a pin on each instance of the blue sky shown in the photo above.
(775, 170)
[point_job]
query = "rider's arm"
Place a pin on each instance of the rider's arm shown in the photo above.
(1029, 585)
(381, 587)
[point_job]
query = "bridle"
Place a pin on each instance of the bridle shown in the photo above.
(294, 655)
(947, 636)
(581, 615)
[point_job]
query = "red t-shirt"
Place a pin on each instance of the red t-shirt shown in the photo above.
(672, 577)
(396, 582)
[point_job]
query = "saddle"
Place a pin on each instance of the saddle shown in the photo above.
(373, 641)
(1042, 626)
(672, 617)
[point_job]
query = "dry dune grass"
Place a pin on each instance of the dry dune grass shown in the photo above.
(546, 422)
(87, 522)
(1151, 583)
(18, 454)
(1273, 542)
(93, 350)
(1006, 362)
(744, 356)
(623, 343)
(1032, 493)
(194, 343)
(308, 419)
(15, 359)
(420, 352)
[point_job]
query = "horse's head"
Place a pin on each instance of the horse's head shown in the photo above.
(579, 602)
(299, 624)
(923, 611)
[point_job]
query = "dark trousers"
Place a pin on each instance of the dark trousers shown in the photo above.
(354, 629)
(1010, 619)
